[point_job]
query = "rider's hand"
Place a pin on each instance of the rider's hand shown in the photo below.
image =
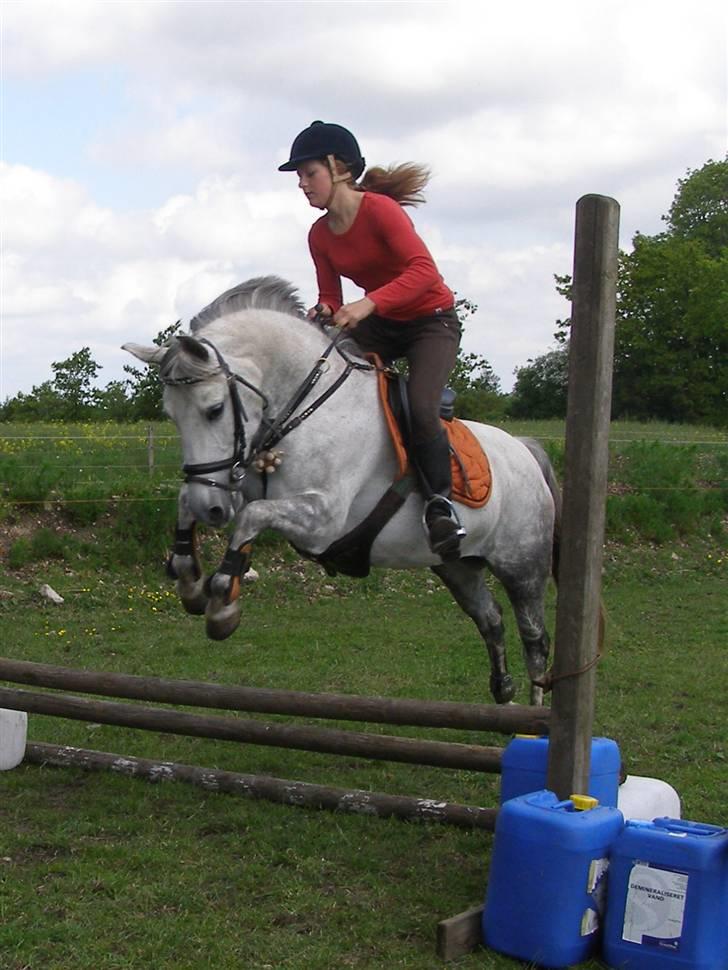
(352, 313)
(320, 310)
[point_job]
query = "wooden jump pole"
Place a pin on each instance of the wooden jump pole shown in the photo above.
(579, 622)
(278, 790)
(503, 719)
(440, 754)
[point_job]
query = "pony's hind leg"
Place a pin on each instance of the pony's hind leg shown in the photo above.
(527, 600)
(465, 579)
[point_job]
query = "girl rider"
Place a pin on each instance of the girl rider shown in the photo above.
(407, 310)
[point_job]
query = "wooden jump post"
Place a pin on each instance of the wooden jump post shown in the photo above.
(579, 620)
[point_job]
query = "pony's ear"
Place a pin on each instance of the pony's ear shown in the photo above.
(194, 347)
(150, 355)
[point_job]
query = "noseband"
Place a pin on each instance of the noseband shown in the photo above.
(270, 431)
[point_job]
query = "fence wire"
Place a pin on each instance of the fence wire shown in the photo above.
(160, 476)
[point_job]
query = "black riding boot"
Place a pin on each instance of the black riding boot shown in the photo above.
(441, 522)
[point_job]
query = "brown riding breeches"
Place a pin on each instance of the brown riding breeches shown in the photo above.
(430, 345)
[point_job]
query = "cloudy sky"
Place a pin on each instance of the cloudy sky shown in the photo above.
(140, 141)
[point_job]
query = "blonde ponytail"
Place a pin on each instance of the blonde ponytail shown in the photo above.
(403, 183)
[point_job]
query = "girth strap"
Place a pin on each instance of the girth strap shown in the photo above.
(350, 554)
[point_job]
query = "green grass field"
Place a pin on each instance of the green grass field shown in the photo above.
(106, 872)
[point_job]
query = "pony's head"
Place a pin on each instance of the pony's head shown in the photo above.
(213, 405)
(201, 397)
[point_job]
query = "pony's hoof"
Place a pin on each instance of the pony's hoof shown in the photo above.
(194, 603)
(221, 624)
(502, 688)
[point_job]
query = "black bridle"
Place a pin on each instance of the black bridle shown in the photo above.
(236, 463)
(270, 431)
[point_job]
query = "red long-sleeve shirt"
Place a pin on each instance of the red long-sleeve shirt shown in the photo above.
(382, 253)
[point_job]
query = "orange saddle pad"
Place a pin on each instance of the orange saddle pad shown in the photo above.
(471, 478)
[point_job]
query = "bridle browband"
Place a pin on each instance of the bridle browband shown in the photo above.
(270, 431)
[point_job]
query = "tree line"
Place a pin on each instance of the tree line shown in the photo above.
(671, 338)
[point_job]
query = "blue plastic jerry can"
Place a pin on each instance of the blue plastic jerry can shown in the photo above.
(546, 888)
(667, 904)
(525, 763)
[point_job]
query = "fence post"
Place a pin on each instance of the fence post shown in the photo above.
(150, 449)
(578, 609)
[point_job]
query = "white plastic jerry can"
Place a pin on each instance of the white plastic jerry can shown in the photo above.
(647, 799)
(13, 735)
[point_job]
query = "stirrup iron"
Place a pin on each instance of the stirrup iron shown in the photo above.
(447, 543)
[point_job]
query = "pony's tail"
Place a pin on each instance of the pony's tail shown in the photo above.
(547, 470)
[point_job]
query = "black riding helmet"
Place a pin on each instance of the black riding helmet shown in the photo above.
(322, 139)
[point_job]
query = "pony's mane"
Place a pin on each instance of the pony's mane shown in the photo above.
(262, 292)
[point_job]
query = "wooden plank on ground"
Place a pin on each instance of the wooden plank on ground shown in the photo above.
(460, 934)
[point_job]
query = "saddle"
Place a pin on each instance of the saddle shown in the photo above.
(471, 477)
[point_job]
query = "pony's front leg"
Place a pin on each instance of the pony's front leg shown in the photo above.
(299, 520)
(223, 605)
(183, 564)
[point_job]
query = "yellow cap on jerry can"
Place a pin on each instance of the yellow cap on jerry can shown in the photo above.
(584, 803)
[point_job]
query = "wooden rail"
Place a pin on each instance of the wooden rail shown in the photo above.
(504, 719)
(278, 790)
(441, 754)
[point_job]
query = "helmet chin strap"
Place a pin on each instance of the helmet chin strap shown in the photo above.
(336, 177)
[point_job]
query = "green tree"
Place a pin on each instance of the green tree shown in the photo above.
(541, 386)
(41, 404)
(671, 341)
(70, 396)
(478, 387)
(112, 402)
(700, 208)
(73, 383)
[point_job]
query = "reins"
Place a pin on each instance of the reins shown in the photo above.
(274, 431)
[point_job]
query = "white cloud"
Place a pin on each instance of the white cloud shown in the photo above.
(197, 143)
(89, 276)
(42, 38)
(519, 111)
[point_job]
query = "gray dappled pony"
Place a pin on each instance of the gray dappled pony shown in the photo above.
(235, 376)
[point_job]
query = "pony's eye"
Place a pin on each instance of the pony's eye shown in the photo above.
(215, 412)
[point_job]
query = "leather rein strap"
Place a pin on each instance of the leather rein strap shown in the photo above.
(271, 432)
